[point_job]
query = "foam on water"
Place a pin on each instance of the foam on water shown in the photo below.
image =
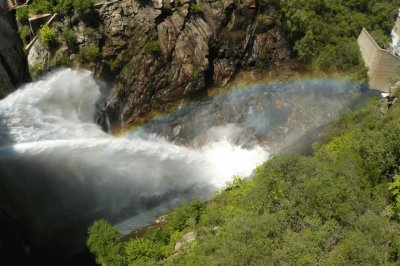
(47, 134)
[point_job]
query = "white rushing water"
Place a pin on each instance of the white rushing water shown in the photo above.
(48, 136)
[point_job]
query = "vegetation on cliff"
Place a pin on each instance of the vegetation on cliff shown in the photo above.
(339, 206)
(75, 9)
(323, 33)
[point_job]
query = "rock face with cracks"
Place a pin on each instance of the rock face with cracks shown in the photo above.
(162, 51)
(158, 52)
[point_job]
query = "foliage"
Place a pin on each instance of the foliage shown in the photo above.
(153, 47)
(65, 61)
(324, 33)
(66, 7)
(89, 54)
(143, 250)
(47, 36)
(264, 58)
(381, 38)
(394, 207)
(42, 6)
(81, 8)
(35, 70)
(103, 241)
(24, 33)
(196, 8)
(22, 15)
(68, 36)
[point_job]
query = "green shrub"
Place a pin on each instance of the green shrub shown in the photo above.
(89, 54)
(22, 15)
(69, 7)
(381, 38)
(42, 6)
(68, 36)
(35, 70)
(65, 61)
(264, 59)
(153, 47)
(104, 242)
(196, 74)
(394, 207)
(24, 33)
(196, 8)
(142, 250)
(47, 36)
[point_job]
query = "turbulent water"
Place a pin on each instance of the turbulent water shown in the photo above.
(59, 170)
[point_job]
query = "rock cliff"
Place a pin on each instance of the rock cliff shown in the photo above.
(13, 64)
(170, 50)
(158, 52)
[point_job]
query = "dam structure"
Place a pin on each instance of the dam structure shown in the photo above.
(383, 64)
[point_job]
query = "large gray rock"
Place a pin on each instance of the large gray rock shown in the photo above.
(186, 240)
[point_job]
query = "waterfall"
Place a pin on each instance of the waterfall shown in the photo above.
(61, 168)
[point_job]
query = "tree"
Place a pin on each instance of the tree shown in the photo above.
(394, 207)
(104, 242)
(47, 36)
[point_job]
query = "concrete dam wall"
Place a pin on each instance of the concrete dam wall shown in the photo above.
(382, 65)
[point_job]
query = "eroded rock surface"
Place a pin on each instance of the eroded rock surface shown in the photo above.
(158, 52)
(164, 51)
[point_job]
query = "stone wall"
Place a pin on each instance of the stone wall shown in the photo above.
(13, 65)
(382, 65)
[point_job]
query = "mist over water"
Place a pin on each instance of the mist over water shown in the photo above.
(59, 170)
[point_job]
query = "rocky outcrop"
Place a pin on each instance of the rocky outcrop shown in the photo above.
(13, 65)
(162, 51)
(158, 52)
(186, 240)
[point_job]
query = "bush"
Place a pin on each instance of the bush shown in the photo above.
(47, 36)
(65, 61)
(89, 54)
(196, 8)
(104, 242)
(153, 47)
(68, 36)
(24, 33)
(142, 250)
(22, 15)
(381, 38)
(42, 6)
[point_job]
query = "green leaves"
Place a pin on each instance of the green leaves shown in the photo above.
(104, 242)
(47, 36)
(324, 32)
(394, 207)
